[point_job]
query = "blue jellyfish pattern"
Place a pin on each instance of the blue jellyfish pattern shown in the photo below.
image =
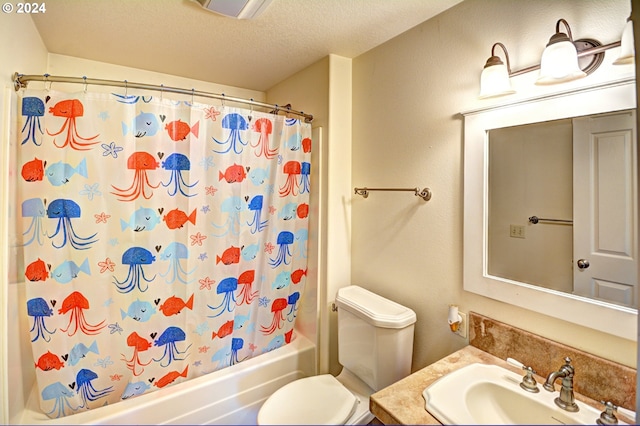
(65, 210)
(88, 393)
(176, 272)
(135, 257)
(285, 239)
(236, 124)
(34, 208)
(232, 207)
(227, 288)
(168, 339)
(39, 310)
(60, 395)
(33, 109)
(177, 163)
(256, 223)
(201, 273)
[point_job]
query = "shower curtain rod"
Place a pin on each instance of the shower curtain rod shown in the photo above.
(20, 82)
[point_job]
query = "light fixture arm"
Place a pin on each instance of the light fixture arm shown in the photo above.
(506, 54)
(566, 25)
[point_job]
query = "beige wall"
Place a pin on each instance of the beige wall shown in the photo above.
(407, 131)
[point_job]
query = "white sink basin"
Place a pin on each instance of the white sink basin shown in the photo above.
(489, 394)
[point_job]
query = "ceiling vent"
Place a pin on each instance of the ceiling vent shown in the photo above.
(239, 9)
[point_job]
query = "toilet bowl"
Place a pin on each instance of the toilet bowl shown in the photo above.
(375, 343)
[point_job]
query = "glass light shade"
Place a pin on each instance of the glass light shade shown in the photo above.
(494, 81)
(627, 51)
(559, 63)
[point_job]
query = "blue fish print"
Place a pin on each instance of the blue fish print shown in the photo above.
(249, 252)
(139, 311)
(143, 219)
(275, 343)
(240, 320)
(69, 270)
(288, 211)
(80, 350)
(135, 389)
(258, 176)
(145, 124)
(283, 279)
(59, 173)
(294, 143)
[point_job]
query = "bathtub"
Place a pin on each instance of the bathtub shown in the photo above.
(232, 395)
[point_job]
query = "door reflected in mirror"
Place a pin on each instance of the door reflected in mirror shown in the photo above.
(562, 206)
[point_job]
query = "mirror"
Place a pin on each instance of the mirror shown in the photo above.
(604, 309)
(539, 227)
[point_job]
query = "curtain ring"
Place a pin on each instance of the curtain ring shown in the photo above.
(251, 110)
(161, 91)
(46, 79)
(223, 100)
(126, 88)
(84, 77)
(193, 91)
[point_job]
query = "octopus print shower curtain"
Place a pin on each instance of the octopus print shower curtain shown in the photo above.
(162, 240)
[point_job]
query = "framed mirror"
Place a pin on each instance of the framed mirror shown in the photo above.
(509, 258)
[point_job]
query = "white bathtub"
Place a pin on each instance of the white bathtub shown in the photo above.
(232, 395)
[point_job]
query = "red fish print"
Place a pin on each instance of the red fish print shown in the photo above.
(170, 377)
(176, 218)
(303, 210)
(235, 173)
(297, 275)
(306, 145)
(37, 271)
(229, 256)
(179, 130)
(33, 170)
(49, 361)
(288, 335)
(173, 305)
(224, 330)
(140, 343)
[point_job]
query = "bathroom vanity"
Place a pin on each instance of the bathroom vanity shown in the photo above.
(492, 342)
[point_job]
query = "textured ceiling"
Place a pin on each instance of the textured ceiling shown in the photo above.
(181, 38)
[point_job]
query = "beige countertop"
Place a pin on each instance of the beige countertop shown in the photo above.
(403, 403)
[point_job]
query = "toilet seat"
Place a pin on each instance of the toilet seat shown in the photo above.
(313, 400)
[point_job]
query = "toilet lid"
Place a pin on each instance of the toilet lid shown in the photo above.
(313, 400)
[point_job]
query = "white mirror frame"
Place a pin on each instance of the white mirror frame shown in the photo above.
(606, 317)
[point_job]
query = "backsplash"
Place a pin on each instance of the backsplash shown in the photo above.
(596, 378)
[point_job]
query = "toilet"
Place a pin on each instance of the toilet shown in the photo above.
(375, 346)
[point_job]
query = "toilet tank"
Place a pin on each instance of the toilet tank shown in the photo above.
(375, 336)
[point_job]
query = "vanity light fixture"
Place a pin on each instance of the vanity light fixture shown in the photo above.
(559, 63)
(495, 80)
(556, 66)
(627, 51)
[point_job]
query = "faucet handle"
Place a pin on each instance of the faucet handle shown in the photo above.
(528, 382)
(608, 417)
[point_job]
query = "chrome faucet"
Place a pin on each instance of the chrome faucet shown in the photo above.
(566, 400)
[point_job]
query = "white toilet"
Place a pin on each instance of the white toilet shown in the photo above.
(375, 345)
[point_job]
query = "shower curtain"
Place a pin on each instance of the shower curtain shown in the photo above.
(162, 240)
